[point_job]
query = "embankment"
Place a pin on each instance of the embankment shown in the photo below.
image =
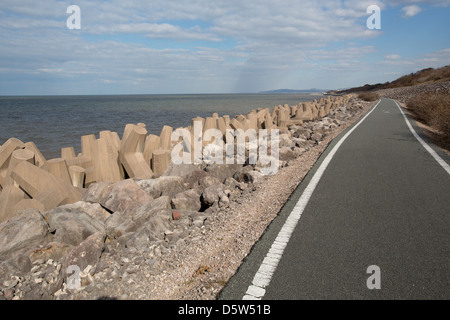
(121, 220)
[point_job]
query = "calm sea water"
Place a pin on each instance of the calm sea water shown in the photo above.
(54, 122)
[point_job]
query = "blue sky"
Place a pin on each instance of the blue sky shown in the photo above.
(209, 46)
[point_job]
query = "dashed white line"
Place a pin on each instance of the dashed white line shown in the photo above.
(256, 290)
(424, 144)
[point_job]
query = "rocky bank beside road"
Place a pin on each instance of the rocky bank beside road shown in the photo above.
(404, 94)
(180, 236)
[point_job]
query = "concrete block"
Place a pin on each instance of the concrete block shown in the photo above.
(17, 156)
(151, 144)
(39, 159)
(67, 153)
(58, 167)
(77, 175)
(106, 160)
(131, 153)
(160, 161)
(6, 151)
(9, 198)
(165, 138)
(43, 186)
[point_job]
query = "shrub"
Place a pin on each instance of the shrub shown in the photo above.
(368, 96)
(434, 110)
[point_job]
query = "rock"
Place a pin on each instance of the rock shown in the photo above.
(145, 212)
(253, 176)
(286, 154)
(126, 196)
(87, 253)
(223, 171)
(181, 170)
(176, 215)
(194, 177)
(299, 142)
(316, 136)
(241, 176)
(285, 140)
(187, 200)
(302, 133)
(150, 231)
(163, 186)
(72, 225)
(212, 194)
(26, 229)
(98, 192)
(208, 181)
(52, 250)
(119, 224)
(230, 183)
(94, 210)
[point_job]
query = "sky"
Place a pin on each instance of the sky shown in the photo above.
(212, 46)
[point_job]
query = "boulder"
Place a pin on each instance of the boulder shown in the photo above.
(150, 231)
(212, 194)
(27, 229)
(127, 196)
(72, 225)
(163, 186)
(86, 254)
(207, 181)
(98, 192)
(94, 210)
(119, 224)
(181, 170)
(187, 200)
(285, 140)
(286, 154)
(223, 171)
(52, 250)
(193, 178)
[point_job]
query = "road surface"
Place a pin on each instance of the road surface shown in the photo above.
(382, 200)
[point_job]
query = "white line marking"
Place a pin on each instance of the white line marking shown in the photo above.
(424, 144)
(265, 272)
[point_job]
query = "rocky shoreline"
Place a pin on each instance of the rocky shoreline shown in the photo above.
(180, 235)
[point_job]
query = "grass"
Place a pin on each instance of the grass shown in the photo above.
(369, 96)
(433, 109)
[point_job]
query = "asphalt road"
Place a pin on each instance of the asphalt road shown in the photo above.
(383, 200)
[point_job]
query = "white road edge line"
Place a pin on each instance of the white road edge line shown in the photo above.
(256, 290)
(424, 144)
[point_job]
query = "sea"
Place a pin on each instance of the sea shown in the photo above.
(55, 122)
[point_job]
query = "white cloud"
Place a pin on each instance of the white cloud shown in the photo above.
(410, 11)
(391, 57)
(189, 45)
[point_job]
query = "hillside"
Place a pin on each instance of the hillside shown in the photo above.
(425, 76)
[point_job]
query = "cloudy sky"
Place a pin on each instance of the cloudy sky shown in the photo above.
(215, 46)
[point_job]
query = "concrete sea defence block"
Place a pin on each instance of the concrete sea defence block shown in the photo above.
(40, 184)
(77, 176)
(67, 153)
(151, 144)
(18, 156)
(6, 151)
(58, 167)
(131, 153)
(165, 138)
(9, 198)
(160, 161)
(106, 160)
(39, 159)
